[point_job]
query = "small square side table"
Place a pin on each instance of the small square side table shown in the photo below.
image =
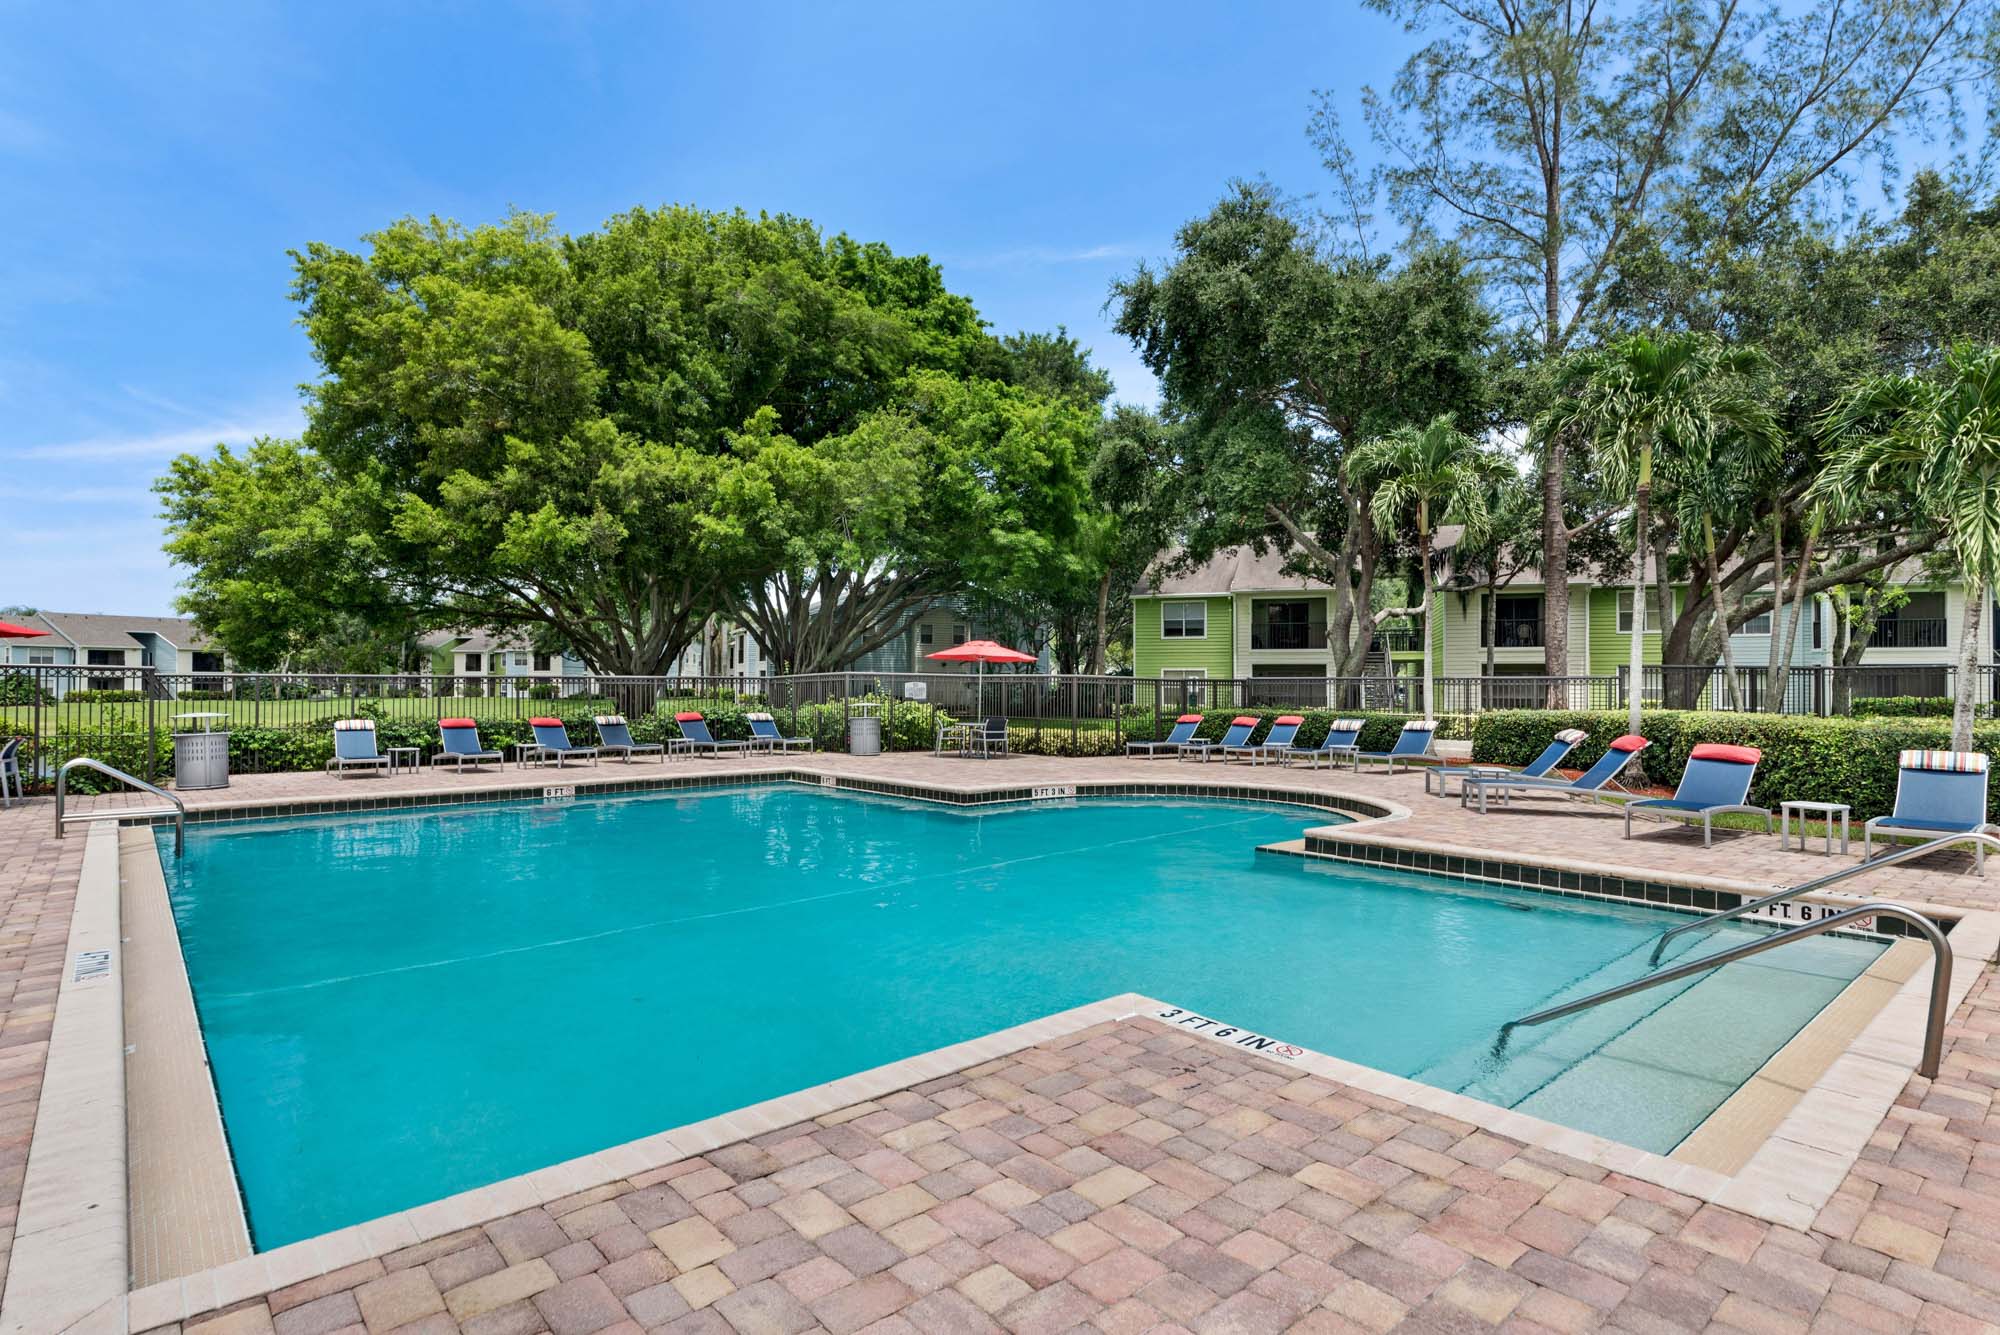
(404, 757)
(1788, 811)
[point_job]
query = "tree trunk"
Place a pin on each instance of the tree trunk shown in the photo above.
(1968, 668)
(1103, 613)
(1424, 601)
(1555, 574)
(1721, 615)
(1782, 674)
(1641, 513)
(1773, 699)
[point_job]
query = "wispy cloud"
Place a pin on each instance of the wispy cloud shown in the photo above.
(160, 444)
(1035, 256)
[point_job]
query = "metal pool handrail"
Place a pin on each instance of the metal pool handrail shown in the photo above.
(178, 810)
(1940, 975)
(1820, 883)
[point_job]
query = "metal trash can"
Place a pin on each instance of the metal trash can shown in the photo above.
(864, 735)
(201, 759)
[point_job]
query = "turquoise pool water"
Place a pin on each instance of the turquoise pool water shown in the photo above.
(399, 1006)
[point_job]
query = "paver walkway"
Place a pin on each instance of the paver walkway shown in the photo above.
(1138, 1178)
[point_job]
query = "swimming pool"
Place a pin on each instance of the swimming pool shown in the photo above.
(399, 1006)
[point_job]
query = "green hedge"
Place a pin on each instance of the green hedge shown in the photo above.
(103, 697)
(1903, 706)
(1805, 759)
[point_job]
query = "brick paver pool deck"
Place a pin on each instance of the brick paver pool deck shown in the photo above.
(1136, 1177)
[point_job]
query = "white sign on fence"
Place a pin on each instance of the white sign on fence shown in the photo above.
(916, 690)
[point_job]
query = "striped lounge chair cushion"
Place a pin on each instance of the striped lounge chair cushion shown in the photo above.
(354, 725)
(612, 720)
(1571, 735)
(1346, 725)
(1960, 762)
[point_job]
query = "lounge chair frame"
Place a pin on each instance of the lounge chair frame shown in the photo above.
(457, 759)
(1552, 755)
(539, 752)
(625, 750)
(1697, 773)
(340, 765)
(1171, 743)
(1890, 831)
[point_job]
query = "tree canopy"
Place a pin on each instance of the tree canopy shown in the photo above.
(604, 438)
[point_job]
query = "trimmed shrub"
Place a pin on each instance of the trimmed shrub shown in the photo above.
(19, 688)
(103, 697)
(1807, 759)
(1903, 706)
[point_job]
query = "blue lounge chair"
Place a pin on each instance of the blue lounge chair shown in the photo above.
(1275, 744)
(10, 771)
(1413, 743)
(1343, 739)
(1237, 734)
(1937, 793)
(614, 734)
(552, 743)
(462, 745)
(1552, 755)
(764, 733)
(695, 736)
(354, 747)
(1592, 781)
(1182, 734)
(1717, 779)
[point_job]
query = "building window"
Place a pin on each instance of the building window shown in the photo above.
(926, 635)
(959, 633)
(1625, 614)
(1757, 625)
(41, 658)
(520, 660)
(1517, 621)
(1819, 635)
(472, 662)
(1195, 693)
(543, 662)
(1183, 621)
(1293, 623)
(106, 657)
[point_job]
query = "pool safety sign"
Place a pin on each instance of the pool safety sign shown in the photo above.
(1052, 793)
(1261, 1044)
(1799, 910)
(558, 794)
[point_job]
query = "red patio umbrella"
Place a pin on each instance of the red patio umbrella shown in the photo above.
(10, 631)
(981, 652)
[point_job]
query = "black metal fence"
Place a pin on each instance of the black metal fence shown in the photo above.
(282, 722)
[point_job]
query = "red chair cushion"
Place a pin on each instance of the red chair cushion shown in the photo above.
(545, 723)
(1244, 721)
(1741, 755)
(1293, 719)
(1631, 741)
(457, 723)
(1188, 718)
(692, 716)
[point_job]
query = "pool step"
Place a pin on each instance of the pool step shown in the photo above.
(1533, 1057)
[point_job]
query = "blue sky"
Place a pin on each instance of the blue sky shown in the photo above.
(159, 160)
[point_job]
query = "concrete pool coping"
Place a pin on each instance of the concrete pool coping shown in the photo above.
(1769, 1189)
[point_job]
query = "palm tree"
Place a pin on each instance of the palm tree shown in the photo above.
(1934, 440)
(1683, 392)
(1434, 473)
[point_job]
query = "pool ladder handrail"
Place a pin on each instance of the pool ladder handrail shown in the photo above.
(1940, 975)
(1820, 883)
(178, 810)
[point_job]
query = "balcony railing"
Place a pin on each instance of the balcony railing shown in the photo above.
(1516, 633)
(1311, 635)
(1909, 633)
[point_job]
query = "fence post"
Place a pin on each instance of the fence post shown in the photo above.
(152, 729)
